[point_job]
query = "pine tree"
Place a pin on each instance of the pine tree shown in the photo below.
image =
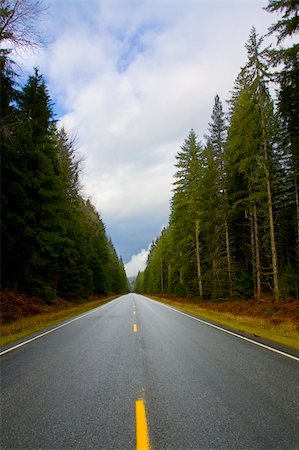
(31, 193)
(53, 241)
(117, 279)
(245, 189)
(139, 283)
(287, 77)
(216, 162)
(158, 272)
(257, 68)
(251, 147)
(186, 206)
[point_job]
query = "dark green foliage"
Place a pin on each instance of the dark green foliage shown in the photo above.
(289, 23)
(117, 279)
(285, 60)
(53, 242)
(234, 224)
(240, 191)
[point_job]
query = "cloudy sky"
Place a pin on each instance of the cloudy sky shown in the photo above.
(129, 79)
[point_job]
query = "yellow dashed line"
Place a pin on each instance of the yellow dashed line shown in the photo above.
(135, 328)
(142, 439)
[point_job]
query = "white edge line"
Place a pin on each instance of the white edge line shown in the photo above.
(228, 332)
(10, 349)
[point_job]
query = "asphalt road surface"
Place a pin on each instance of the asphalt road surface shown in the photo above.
(77, 387)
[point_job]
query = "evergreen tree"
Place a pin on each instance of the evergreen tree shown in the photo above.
(234, 213)
(244, 186)
(250, 145)
(158, 275)
(31, 193)
(139, 283)
(53, 241)
(257, 68)
(185, 213)
(117, 279)
(216, 176)
(286, 59)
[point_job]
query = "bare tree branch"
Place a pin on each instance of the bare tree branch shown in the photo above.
(18, 24)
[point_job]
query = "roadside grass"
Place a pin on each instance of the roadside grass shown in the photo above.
(263, 321)
(25, 326)
(277, 322)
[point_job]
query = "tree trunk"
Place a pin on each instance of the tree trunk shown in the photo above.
(297, 210)
(257, 255)
(270, 203)
(252, 244)
(200, 291)
(181, 268)
(214, 279)
(273, 243)
(229, 262)
(162, 280)
(169, 277)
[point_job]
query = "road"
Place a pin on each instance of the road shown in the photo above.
(77, 387)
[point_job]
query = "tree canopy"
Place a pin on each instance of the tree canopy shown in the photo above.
(53, 241)
(233, 229)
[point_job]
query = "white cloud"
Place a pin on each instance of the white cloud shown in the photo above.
(134, 78)
(130, 192)
(137, 263)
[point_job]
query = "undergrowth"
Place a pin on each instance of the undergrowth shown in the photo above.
(29, 315)
(266, 319)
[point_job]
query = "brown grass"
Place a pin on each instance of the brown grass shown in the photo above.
(278, 322)
(22, 315)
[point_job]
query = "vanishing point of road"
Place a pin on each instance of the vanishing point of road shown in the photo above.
(137, 374)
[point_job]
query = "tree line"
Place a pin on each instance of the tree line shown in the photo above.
(233, 230)
(53, 241)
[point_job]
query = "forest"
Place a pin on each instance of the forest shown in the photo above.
(53, 241)
(233, 230)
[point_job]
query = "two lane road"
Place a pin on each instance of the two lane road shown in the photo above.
(77, 387)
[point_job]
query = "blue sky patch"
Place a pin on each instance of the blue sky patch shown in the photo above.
(135, 44)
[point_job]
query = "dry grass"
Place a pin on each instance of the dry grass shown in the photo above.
(22, 315)
(279, 323)
(45, 316)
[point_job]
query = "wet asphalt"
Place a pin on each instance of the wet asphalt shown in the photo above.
(76, 387)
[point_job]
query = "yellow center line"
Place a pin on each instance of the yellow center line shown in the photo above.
(135, 328)
(142, 439)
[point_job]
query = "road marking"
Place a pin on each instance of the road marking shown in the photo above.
(135, 328)
(229, 332)
(54, 329)
(142, 439)
(134, 312)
